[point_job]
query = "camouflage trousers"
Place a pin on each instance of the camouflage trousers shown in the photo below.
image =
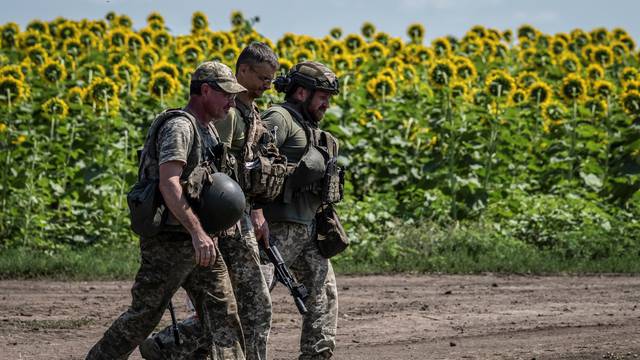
(168, 263)
(240, 253)
(300, 253)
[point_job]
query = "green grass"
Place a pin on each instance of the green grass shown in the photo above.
(122, 263)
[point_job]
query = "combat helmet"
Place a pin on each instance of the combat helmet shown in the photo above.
(221, 203)
(310, 75)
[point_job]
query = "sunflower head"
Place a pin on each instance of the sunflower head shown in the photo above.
(415, 32)
(199, 22)
(630, 102)
(595, 72)
(72, 47)
(441, 73)
(14, 71)
(126, 72)
(354, 42)
(539, 93)
(527, 32)
(367, 30)
(381, 87)
(596, 107)
(460, 90)
(342, 63)
(599, 36)
(53, 71)
(602, 55)
(38, 25)
(285, 65)
(67, 30)
(376, 50)
(161, 84)
(517, 97)
(554, 112)
(382, 38)
(620, 50)
(8, 34)
(465, 69)
(441, 46)
(499, 84)
(55, 108)
(76, 95)
(573, 87)
(629, 42)
(569, 63)
(335, 33)
(558, 45)
(507, 35)
(167, 68)
(101, 90)
(191, 55)
(123, 21)
(526, 78)
(12, 89)
(395, 45)
(580, 38)
(603, 88)
(632, 85)
(302, 55)
(155, 16)
(161, 39)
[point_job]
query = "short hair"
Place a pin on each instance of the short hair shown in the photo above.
(257, 53)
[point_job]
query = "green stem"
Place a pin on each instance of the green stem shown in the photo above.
(572, 153)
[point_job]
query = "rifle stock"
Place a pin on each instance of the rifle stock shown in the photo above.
(297, 290)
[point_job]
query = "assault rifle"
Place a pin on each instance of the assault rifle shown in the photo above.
(283, 276)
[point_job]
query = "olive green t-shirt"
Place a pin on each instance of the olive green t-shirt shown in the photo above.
(291, 140)
(232, 130)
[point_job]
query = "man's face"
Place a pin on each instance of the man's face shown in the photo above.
(256, 78)
(319, 104)
(217, 102)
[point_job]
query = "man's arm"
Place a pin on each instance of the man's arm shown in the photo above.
(260, 227)
(176, 201)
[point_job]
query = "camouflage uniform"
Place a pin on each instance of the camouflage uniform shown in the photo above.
(240, 252)
(167, 260)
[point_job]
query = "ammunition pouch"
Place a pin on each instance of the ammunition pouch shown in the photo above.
(148, 212)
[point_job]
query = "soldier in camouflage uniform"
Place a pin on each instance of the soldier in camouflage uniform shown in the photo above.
(308, 88)
(182, 254)
(243, 132)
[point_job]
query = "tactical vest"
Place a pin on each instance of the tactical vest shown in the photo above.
(202, 163)
(264, 169)
(317, 171)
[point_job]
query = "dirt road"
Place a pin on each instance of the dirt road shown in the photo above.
(381, 317)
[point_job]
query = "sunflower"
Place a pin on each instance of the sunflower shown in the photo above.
(460, 90)
(603, 88)
(89, 41)
(569, 62)
(336, 48)
(441, 46)
(395, 64)
(285, 65)
(472, 47)
(354, 42)
(630, 102)
(72, 47)
(409, 72)
(155, 25)
(543, 41)
(135, 42)
(597, 107)
(148, 57)
(500, 51)
(38, 25)
(76, 95)
(595, 72)
(123, 21)
(526, 78)
(465, 69)
(539, 93)
(127, 73)
(620, 50)
(390, 73)
(580, 38)
(554, 113)
(162, 85)
(309, 43)
(37, 54)
(573, 87)
(527, 32)
(230, 53)
(415, 32)
(603, 55)
(367, 30)
(376, 50)
(287, 42)
(507, 35)
(98, 28)
(52, 71)
(117, 37)
(381, 87)
(12, 90)
(336, 32)
(632, 85)
(191, 55)
(628, 41)
(517, 97)
(67, 30)
(55, 108)
(19, 140)
(395, 45)
(155, 16)
(167, 68)
(442, 72)
(558, 45)
(93, 70)
(161, 39)
(103, 94)
(599, 36)
(237, 18)
(541, 58)
(500, 84)
(13, 71)
(302, 55)
(28, 39)
(342, 63)
(382, 38)
(8, 34)
(199, 22)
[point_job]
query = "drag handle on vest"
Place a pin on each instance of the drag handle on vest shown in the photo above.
(284, 276)
(174, 325)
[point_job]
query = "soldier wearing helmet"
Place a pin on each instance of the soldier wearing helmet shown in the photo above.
(308, 89)
(180, 155)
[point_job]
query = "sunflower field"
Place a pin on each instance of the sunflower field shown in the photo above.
(531, 139)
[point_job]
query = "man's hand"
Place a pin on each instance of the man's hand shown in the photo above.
(260, 227)
(205, 248)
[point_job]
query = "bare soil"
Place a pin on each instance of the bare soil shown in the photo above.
(381, 317)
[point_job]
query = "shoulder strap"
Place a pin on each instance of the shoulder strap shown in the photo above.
(150, 148)
(311, 138)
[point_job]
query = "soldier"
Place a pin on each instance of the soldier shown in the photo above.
(183, 253)
(308, 88)
(262, 180)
